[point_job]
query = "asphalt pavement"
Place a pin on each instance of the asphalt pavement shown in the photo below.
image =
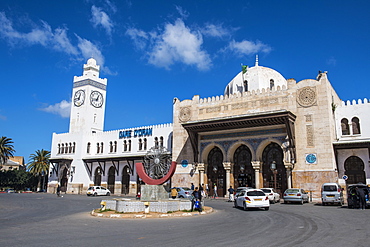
(41, 219)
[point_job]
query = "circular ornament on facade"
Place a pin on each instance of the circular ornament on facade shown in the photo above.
(306, 97)
(185, 114)
(311, 158)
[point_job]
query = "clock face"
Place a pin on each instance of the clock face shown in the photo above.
(79, 98)
(96, 99)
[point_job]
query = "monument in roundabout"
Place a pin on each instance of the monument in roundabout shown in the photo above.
(155, 171)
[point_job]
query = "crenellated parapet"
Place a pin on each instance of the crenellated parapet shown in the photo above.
(354, 102)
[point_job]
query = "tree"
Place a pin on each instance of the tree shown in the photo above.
(6, 149)
(38, 164)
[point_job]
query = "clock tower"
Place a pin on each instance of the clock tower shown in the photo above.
(88, 100)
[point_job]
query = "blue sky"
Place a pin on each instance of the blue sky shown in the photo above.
(154, 51)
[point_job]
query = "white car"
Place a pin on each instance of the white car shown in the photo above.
(252, 198)
(97, 191)
(272, 194)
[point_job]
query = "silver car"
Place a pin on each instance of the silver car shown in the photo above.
(183, 192)
(295, 195)
(272, 194)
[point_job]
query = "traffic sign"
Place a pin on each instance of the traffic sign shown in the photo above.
(345, 177)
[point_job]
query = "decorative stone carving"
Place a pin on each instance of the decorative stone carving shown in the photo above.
(185, 114)
(306, 96)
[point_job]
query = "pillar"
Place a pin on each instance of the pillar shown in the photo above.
(201, 173)
(257, 167)
(227, 167)
(289, 167)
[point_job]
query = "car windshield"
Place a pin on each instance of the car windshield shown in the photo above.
(292, 191)
(266, 190)
(90, 188)
(330, 188)
(185, 188)
(255, 193)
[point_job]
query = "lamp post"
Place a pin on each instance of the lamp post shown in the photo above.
(274, 171)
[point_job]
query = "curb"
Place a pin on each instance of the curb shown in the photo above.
(207, 210)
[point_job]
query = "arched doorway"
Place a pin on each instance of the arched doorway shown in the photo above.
(97, 177)
(64, 180)
(125, 180)
(243, 170)
(215, 172)
(354, 169)
(111, 179)
(273, 152)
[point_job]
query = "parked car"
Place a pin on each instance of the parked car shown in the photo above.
(10, 191)
(352, 197)
(183, 192)
(252, 198)
(331, 193)
(295, 195)
(272, 194)
(97, 191)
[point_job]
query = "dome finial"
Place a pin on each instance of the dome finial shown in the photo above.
(256, 60)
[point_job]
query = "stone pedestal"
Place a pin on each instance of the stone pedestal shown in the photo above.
(153, 193)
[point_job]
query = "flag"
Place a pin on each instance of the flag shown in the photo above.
(244, 68)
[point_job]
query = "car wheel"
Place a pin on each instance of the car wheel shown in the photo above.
(108, 194)
(235, 204)
(323, 203)
(95, 194)
(285, 202)
(245, 206)
(88, 195)
(272, 202)
(302, 202)
(181, 197)
(267, 208)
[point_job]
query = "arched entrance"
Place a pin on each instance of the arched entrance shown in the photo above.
(125, 180)
(97, 177)
(215, 172)
(64, 180)
(111, 179)
(243, 170)
(354, 169)
(273, 152)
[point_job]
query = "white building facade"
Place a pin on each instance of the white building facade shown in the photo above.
(87, 155)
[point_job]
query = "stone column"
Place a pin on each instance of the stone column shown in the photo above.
(201, 173)
(289, 167)
(227, 166)
(257, 167)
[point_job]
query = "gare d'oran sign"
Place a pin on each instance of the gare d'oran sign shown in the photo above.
(135, 133)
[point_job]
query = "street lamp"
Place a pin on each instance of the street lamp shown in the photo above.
(274, 171)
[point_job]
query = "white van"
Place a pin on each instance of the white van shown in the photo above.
(331, 193)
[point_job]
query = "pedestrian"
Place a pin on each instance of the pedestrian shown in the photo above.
(361, 198)
(207, 190)
(215, 195)
(58, 191)
(202, 190)
(231, 194)
(196, 200)
(173, 193)
(192, 186)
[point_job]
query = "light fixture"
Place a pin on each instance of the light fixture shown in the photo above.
(273, 166)
(242, 168)
(215, 168)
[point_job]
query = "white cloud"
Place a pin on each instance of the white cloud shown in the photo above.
(62, 109)
(99, 17)
(247, 47)
(331, 61)
(213, 30)
(177, 43)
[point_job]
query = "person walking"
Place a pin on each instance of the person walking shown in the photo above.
(58, 191)
(215, 195)
(231, 194)
(192, 186)
(361, 198)
(207, 190)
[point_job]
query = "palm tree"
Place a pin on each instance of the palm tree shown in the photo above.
(6, 149)
(38, 164)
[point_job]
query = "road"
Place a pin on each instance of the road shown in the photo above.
(46, 220)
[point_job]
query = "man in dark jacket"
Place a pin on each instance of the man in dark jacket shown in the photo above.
(361, 197)
(197, 197)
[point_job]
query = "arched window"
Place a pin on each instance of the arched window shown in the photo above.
(156, 142)
(124, 145)
(58, 148)
(62, 149)
(356, 126)
(70, 148)
(88, 147)
(101, 147)
(161, 141)
(66, 148)
(115, 146)
(272, 84)
(110, 147)
(344, 126)
(74, 148)
(140, 144)
(245, 86)
(145, 143)
(97, 148)
(129, 145)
